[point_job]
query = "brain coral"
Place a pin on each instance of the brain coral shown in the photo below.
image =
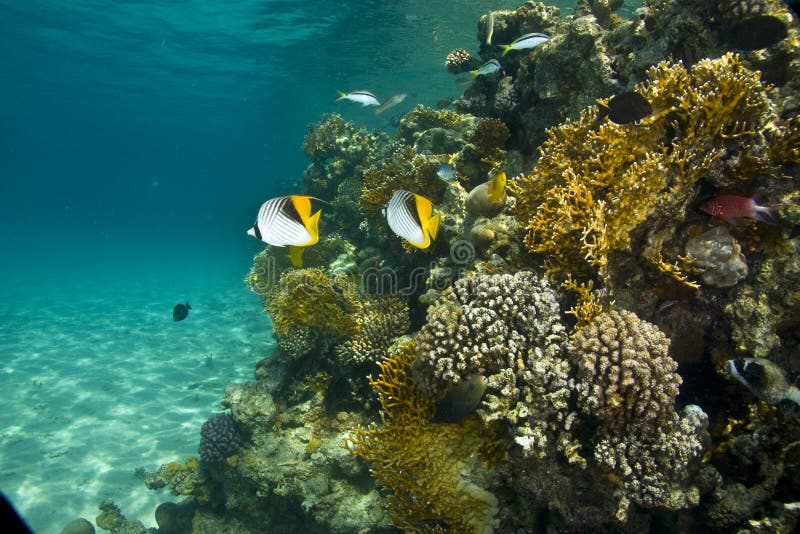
(624, 371)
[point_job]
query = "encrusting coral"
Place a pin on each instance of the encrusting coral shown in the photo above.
(597, 182)
(429, 469)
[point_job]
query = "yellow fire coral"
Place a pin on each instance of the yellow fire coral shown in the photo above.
(598, 185)
(423, 464)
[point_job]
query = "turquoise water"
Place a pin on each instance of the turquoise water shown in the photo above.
(138, 140)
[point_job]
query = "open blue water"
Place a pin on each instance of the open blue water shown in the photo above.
(137, 139)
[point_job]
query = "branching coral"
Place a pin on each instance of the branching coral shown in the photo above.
(651, 460)
(426, 467)
(708, 123)
(627, 383)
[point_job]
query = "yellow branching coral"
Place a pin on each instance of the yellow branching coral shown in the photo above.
(596, 181)
(309, 298)
(423, 465)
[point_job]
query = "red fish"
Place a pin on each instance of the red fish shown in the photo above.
(731, 207)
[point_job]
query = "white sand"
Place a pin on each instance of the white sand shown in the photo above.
(97, 381)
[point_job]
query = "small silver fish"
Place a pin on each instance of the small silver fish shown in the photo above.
(529, 40)
(390, 102)
(490, 27)
(446, 172)
(365, 98)
(487, 68)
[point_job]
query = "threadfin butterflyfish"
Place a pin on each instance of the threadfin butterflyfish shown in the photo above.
(410, 217)
(497, 187)
(285, 221)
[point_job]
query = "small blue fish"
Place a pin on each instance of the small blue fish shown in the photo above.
(529, 40)
(489, 67)
(446, 172)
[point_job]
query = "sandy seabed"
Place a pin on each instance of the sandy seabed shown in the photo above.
(98, 383)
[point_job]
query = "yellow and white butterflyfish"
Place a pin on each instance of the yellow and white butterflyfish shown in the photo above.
(286, 221)
(410, 216)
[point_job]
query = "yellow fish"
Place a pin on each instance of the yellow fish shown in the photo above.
(497, 186)
(410, 216)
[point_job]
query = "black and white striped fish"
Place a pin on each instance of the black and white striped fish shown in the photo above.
(286, 221)
(410, 217)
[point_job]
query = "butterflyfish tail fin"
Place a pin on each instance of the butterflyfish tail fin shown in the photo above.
(433, 225)
(313, 227)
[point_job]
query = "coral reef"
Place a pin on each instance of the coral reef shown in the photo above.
(381, 319)
(598, 189)
(581, 426)
(311, 311)
(219, 438)
(429, 469)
